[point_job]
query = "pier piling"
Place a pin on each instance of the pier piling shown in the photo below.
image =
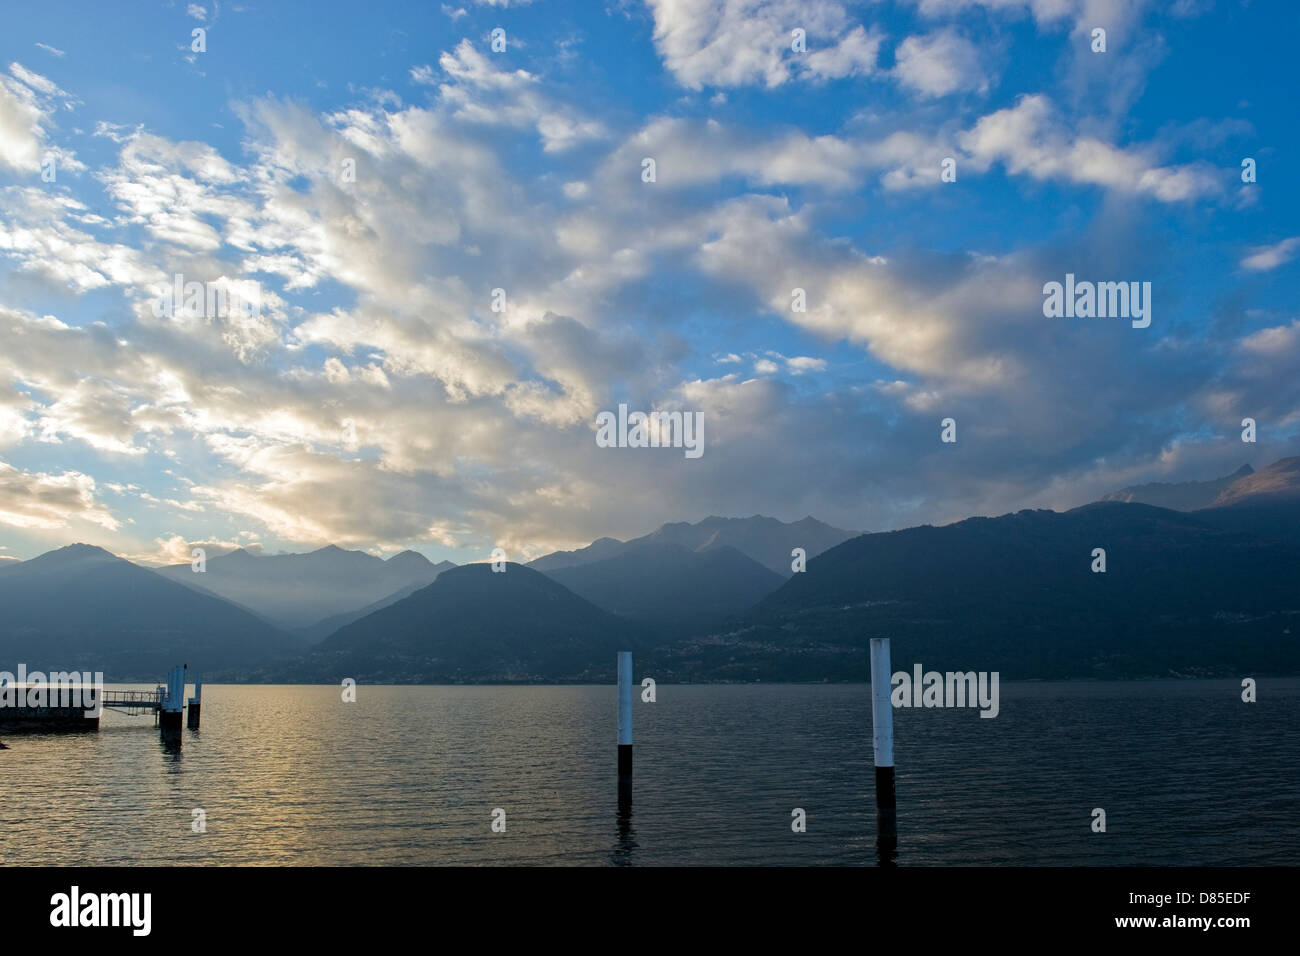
(170, 717)
(882, 740)
(624, 731)
(192, 714)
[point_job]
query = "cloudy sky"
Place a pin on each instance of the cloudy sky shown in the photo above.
(372, 172)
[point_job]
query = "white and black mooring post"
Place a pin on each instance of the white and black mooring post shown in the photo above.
(196, 702)
(882, 739)
(624, 730)
(174, 702)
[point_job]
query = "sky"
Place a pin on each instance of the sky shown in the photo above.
(362, 179)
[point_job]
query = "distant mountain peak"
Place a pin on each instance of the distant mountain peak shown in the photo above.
(86, 604)
(81, 547)
(72, 553)
(472, 623)
(764, 539)
(297, 591)
(408, 557)
(1280, 478)
(1179, 495)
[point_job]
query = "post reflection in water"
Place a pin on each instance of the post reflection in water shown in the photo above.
(886, 850)
(170, 741)
(626, 842)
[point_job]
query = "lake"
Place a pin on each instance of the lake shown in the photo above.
(1187, 773)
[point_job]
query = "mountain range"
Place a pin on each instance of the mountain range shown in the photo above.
(1018, 594)
(1200, 590)
(765, 540)
(1180, 496)
(81, 608)
(475, 624)
(669, 588)
(304, 591)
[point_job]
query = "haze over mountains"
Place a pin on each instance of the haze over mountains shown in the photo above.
(82, 608)
(295, 591)
(669, 588)
(765, 540)
(476, 624)
(1179, 496)
(1205, 590)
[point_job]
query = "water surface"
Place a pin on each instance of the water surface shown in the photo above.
(1187, 774)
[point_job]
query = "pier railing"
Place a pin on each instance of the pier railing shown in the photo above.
(134, 701)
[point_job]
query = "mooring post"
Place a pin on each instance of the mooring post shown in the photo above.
(624, 730)
(192, 715)
(882, 740)
(174, 703)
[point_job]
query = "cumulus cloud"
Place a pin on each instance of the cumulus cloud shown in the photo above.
(940, 63)
(176, 549)
(741, 42)
(691, 152)
(479, 92)
(49, 501)
(1029, 138)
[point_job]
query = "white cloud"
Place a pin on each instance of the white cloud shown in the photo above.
(1263, 258)
(26, 115)
(691, 152)
(800, 364)
(478, 92)
(742, 42)
(35, 233)
(940, 63)
(49, 501)
(1028, 138)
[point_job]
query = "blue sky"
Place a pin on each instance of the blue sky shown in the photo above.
(521, 169)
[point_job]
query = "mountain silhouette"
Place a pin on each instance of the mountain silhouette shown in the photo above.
(671, 588)
(765, 540)
(297, 591)
(1265, 503)
(1179, 496)
(476, 624)
(81, 608)
(1016, 594)
(598, 550)
(1205, 592)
